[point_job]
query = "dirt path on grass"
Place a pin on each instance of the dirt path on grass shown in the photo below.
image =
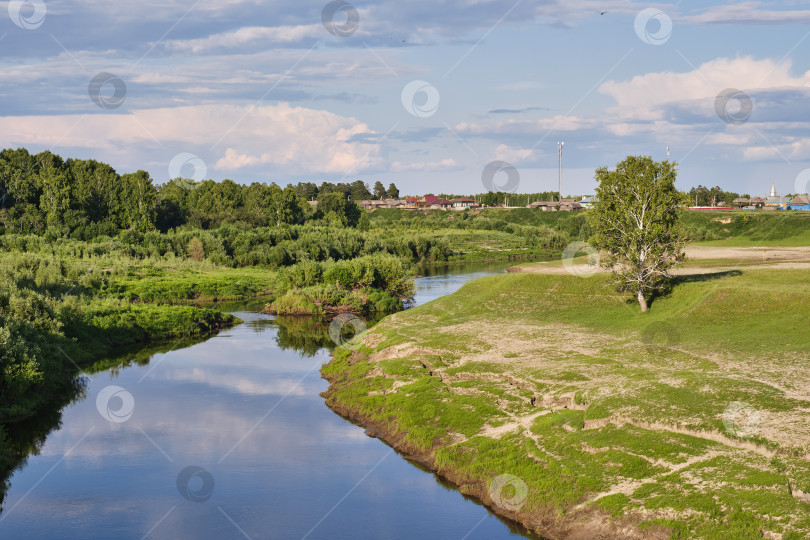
(785, 258)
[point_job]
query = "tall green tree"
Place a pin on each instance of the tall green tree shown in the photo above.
(393, 191)
(307, 190)
(55, 199)
(172, 208)
(231, 193)
(334, 206)
(286, 206)
(18, 177)
(700, 196)
(94, 186)
(359, 191)
(717, 195)
(636, 223)
(215, 198)
(257, 199)
(379, 190)
(138, 198)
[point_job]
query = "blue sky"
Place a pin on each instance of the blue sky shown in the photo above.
(424, 94)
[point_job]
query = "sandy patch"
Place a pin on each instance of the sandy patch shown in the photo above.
(786, 258)
(697, 252)
(404, 350)
(525, 343)
(520, 422)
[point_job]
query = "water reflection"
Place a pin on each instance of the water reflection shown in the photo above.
(23, 439)
(443, 280)
(307, 335)
(244, 408)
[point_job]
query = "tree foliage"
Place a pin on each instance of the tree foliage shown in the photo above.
(359, 191)
(196, 249)
(337, 210)
(379, 190)
(636, 223)
(703, 196)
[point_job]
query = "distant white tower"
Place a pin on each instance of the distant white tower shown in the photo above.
(773, 190)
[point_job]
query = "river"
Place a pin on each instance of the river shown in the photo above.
(228, 438)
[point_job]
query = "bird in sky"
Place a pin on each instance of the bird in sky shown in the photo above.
(602, 12)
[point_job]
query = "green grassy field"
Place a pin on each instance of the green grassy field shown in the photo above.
(690, 421)
(749, 228)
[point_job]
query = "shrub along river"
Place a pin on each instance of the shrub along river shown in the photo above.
(226, 438)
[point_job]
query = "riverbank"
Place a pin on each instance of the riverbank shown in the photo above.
(687, 422)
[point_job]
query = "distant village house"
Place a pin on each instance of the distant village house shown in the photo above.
(565, 205)
(426, 202)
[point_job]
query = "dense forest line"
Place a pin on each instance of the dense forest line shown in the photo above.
(45, 194)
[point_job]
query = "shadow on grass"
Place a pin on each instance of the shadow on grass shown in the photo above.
(691, 278)
(707, 276)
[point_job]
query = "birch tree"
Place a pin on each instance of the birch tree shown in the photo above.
(636, 224)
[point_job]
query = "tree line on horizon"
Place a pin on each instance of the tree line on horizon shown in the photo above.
(44, 193)
(705, 196)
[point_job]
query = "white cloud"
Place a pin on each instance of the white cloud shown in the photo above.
(748, 13)
(537, 127)
(247, 36)
(513, 155)
(164, 10)
(430, 166)
(738, 138)
(679, 108)
(795, 150)
(642, 96)
(295, 139)
(263, 67)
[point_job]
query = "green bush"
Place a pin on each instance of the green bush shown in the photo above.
(295, 302)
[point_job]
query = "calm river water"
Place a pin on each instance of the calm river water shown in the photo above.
(228, 438)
